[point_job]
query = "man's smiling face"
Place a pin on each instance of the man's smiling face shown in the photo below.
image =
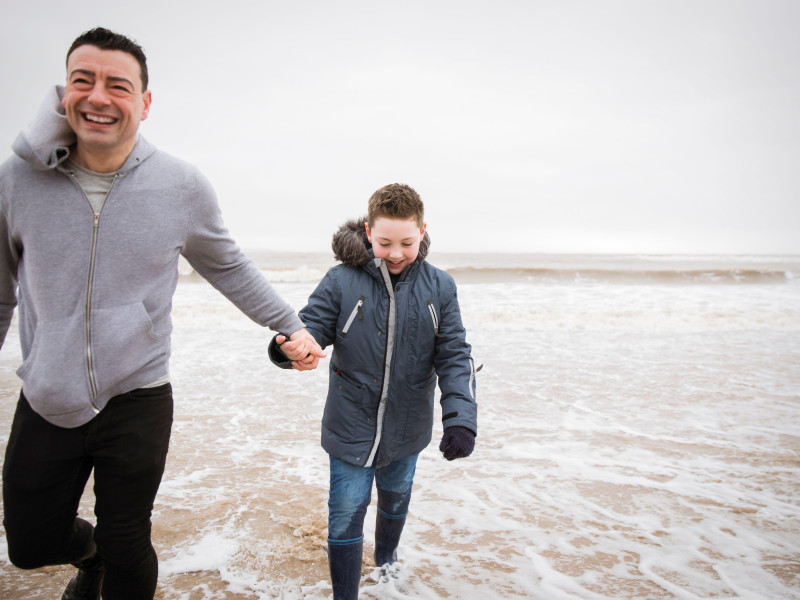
(104, 101)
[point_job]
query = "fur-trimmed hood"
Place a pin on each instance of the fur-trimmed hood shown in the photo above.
(351, 246)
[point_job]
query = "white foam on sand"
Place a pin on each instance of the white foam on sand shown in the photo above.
(211, 552)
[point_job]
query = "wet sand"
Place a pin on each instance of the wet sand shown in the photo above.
(612, 462)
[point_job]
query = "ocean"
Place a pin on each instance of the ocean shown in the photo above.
(639, 438)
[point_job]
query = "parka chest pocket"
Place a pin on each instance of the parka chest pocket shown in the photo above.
(356, 313)
(434, 317)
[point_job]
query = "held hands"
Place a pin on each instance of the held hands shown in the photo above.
(457, 442)
(302, 349)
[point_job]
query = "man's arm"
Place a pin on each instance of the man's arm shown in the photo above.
(213, 254)
(9, 262)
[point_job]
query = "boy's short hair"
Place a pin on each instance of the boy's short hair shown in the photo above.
(105, 39)
(396, 201)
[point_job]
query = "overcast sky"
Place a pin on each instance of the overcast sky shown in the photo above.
(636, 126)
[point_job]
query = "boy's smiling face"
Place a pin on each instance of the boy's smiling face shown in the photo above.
(396, 241)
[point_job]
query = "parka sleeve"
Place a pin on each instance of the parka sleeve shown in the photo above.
(454, 365)
(322, 311)
(319, 317)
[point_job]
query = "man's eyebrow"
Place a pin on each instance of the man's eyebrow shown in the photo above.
(92, 74)
(128, 81)
(81, 72)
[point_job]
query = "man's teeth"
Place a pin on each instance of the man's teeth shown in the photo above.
(99, 119)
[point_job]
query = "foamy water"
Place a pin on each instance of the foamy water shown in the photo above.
(639, 437)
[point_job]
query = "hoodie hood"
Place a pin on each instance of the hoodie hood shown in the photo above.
(351, 246)
(46, 143)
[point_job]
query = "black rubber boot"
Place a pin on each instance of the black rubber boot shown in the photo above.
(87, 582)
(345, 565)
(387, 538)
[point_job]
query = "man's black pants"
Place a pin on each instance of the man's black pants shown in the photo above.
(45, 472)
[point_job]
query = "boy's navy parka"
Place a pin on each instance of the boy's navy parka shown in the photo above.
(389, 347)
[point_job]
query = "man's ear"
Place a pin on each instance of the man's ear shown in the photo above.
(147, 98)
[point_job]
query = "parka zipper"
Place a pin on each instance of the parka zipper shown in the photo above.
(387, 359)
(357, 312)
(90, 285)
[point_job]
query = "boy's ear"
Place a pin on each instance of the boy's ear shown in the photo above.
(422, 231)
(369, 233)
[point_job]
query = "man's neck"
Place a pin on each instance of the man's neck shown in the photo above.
(100, 161)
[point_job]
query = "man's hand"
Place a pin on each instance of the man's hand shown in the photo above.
(302, 349)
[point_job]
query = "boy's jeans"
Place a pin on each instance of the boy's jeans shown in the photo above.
(45, 472)
(350, 494)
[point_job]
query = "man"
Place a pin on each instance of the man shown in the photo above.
(92, 221)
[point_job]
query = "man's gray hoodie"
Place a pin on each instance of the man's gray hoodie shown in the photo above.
(95, 290)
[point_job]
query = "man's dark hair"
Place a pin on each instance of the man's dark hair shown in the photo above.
(108, 40)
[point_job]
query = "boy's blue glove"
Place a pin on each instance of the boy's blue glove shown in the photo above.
(457, 442)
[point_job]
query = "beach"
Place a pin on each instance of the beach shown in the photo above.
(639, 438)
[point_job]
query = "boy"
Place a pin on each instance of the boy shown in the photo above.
(395, 325)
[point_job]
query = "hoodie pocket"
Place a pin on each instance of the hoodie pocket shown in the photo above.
(54, 373)
(124, 343)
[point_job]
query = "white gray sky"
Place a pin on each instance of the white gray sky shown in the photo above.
(634, 126)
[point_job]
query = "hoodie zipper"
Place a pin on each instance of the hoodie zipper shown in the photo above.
(357, 312)
(89, 286)
(89, 364)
